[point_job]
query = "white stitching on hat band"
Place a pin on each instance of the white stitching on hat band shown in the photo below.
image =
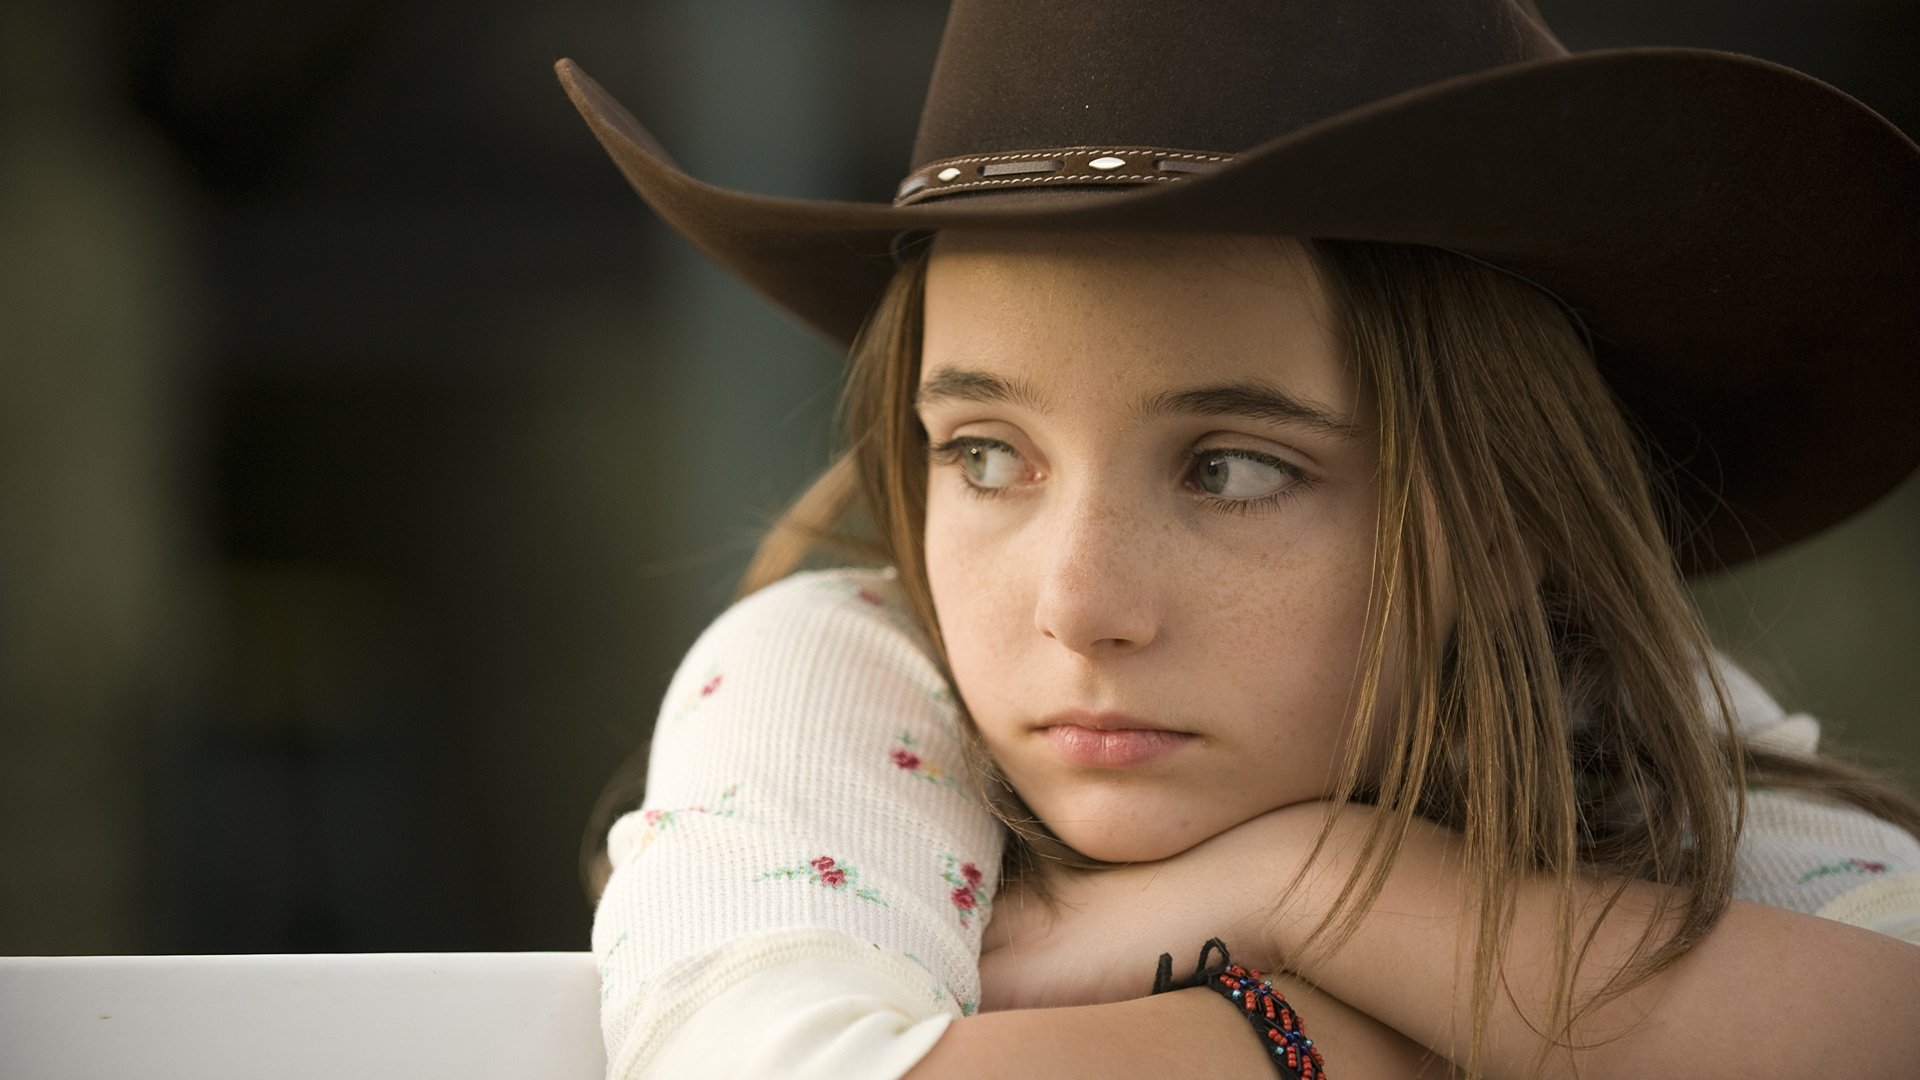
(1072, 164)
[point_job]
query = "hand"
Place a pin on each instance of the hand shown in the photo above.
(1101, 940)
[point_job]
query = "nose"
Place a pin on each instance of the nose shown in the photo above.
(1098, 580)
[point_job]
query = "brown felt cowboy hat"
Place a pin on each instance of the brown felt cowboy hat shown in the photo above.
(1742, 241)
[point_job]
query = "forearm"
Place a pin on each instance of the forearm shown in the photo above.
(1185, 1032)
(1766, 991)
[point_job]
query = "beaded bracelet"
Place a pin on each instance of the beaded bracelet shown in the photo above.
(1278, 1025)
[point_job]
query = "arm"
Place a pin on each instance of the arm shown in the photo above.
(1152, 1037)
(1183, 1032)
(1766, 992)
(1096, 949)
(804, 843)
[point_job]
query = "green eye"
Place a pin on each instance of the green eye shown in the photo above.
(986, 465)
(1241, 474)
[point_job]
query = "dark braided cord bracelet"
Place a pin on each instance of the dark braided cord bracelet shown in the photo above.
(1277, 1024)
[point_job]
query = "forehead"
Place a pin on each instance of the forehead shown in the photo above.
(1145, 311)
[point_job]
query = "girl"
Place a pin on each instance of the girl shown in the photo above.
(1308, 595)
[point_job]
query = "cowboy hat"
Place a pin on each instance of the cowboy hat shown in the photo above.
(1741, 241)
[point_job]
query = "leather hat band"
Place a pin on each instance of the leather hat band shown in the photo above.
(1062, 165)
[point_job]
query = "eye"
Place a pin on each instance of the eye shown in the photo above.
(985, 464)
(1241, 474)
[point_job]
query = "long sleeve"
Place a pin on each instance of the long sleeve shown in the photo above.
(803, 891)
(1805, 853)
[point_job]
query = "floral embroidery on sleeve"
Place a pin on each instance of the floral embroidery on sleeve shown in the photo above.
(968, 1006)
(825, 871)
(864, 593)
(659, 821)
(907, 758)
(968, 898)
(605, 966)
(879, 601)
(1844, 866)
(697, 696)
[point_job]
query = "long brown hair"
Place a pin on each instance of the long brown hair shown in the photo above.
(1556, 722)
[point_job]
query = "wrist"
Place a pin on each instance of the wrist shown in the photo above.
(1424, 852)
(1186, 1031)
(1273, 1019)
(1266, 856)
(1221, 1027)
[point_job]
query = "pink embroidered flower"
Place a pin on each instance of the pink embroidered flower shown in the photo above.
(695, 696)
(823, 870)
(1867, 867)
(968, 898)
(872, 597)
(907, 757)
(662, 819)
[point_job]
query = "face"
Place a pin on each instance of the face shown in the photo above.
(1150, 523)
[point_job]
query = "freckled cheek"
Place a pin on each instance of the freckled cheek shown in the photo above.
(1295, 634)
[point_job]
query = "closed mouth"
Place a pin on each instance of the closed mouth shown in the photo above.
(1105, 721)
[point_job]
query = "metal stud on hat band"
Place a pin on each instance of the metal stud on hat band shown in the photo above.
(1060, 165)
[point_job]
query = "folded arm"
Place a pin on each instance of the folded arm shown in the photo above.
(1183, 1032)
(1768, 991)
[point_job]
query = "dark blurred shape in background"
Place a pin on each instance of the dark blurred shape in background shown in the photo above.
(368, 455)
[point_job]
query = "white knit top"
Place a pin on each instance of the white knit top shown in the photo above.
(804, 889)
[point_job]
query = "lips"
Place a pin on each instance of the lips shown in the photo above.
(1110, 740)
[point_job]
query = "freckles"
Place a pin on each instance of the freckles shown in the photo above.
(1248, 615)
(1267, 597)
(1293, 624)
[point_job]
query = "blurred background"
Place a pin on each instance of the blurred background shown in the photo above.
(369, 455)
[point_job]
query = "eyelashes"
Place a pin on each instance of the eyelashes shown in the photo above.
(1208, 474)
(970, 457)
(1207, 464)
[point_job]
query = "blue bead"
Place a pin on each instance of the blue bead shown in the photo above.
(1236, 995)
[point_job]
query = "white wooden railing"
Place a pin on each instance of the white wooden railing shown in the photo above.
(375, 1016)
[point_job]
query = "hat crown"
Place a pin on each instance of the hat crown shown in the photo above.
(1020, 74)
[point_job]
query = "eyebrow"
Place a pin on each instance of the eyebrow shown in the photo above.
(963, 384)
(1251, 399)
(1257, 400)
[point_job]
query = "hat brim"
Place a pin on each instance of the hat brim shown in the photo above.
(1743, 242)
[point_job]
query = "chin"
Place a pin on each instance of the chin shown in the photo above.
(1123, 844)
